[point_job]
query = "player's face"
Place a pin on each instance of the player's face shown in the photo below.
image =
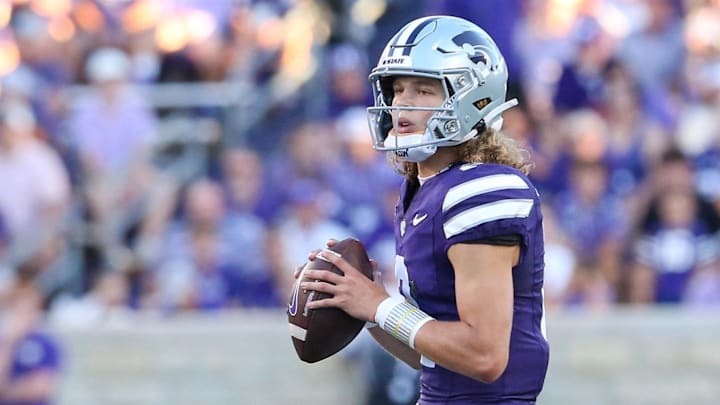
(411, 91)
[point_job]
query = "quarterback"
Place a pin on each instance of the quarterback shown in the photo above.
(468, 224)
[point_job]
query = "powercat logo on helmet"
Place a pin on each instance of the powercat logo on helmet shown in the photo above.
(479, 48)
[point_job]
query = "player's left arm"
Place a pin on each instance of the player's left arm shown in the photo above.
(478, 344)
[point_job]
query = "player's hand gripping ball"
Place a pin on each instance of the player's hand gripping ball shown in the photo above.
(320, 333)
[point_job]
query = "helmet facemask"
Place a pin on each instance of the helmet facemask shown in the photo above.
(441, 129)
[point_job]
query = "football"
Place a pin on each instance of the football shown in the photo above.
(320, 333)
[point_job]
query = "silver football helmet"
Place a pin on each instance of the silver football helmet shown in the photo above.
(471, 69)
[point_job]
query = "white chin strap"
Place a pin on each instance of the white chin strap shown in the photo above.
(405, 149)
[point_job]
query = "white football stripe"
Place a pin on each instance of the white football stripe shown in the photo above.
(503, 209)
(297, 332)
(487, 184)
(321, 255)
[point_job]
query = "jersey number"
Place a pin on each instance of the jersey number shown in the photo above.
(404, 286)
(403, 279)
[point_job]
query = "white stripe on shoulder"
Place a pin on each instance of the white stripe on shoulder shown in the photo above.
(502, 209)
(482, 185)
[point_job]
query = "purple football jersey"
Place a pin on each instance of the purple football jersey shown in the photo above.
(469, 203)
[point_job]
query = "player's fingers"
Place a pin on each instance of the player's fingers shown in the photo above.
(313, 254)
(331, 242)
(318, 286)
(375, 272)
(323, 303)
(323, 275)
(335, 258)
(299, 270)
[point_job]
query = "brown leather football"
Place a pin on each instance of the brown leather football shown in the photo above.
(320, 333)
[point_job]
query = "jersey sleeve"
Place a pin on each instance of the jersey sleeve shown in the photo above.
(487, 206)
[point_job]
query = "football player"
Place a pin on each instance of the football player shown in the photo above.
(468, 225)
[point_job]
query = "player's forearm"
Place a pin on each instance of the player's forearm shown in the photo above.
(480, 353)
(396, 348)
(460, 347)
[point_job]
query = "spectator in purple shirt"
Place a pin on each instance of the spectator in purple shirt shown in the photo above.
(203, 263)
(29, 357)
(670, 254)
(592, 219)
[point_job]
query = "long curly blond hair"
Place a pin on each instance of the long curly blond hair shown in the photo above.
(490, 147)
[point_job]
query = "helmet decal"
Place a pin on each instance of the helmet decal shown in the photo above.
(414, 34)
(405, 38)
(479, 48)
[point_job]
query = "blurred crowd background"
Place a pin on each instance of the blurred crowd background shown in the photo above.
(165, 156)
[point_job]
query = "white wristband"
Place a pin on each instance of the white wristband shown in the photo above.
(416, 328)
(401, 319)
(383, 310)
